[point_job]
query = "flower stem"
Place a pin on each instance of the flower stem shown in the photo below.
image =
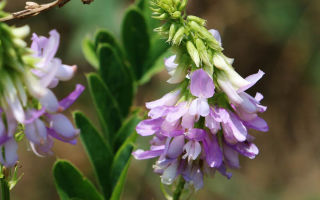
(177, 193)
(5, 192)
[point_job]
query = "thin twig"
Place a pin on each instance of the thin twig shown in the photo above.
(33, 9)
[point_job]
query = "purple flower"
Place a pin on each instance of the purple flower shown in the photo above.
(202, 127)
(29, 102)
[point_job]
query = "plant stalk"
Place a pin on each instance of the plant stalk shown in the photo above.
(177, 193)
(5, 192)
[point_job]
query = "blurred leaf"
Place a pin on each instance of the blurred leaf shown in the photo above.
(144, 6)
(120, 168)
(90, 52)
(116, 194)
(116, 77)
(105, 37)
(71, 184)
(128, 128)
(136, 40)
(99, 152)
(106, 106)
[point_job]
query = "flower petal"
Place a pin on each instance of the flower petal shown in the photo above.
(201, 84)
(149, 126)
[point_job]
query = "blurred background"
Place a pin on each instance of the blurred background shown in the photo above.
(280, 37)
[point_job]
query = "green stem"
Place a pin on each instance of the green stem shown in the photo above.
(177, 193)
(5, 192)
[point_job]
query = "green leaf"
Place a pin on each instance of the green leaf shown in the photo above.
(99, 152)
(106, 106)
(89, 52)
(119, 169)
(128, 128)
(105, 37)
(136, 40)
(116, 76)
(71, 184)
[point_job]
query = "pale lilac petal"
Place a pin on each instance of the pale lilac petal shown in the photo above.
(169, 127)
(65, 72)
(258, 96)
(9, 150)
(212, 151)
(159, 111)
(142, 155)
(193, 150)
(176, 147)
(188, 121)
(231, 157)
(252, 79)
(201, 84)
(178, 75)
(49, 101)
(169, 99)
(216, 35)
(33, 115)
(200, 107)
(43, 149)
(234, 131)
(51, 47)
(177, 112)
(50, 74)
(36, 132)
(58, 136)
(197, 179)
(170, 64)
(257, 124)
(72, 97)
(170, 173)
(196, 134)
(212, 121)
(54, 83)
(227, 87)
(149, 126)
(247, 149)
(62, 125)
(223, 170)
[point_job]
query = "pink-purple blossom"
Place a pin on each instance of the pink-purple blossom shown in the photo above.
(204, 126)
(37, 111)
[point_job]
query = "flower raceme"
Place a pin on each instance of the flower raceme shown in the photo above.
(202, 126)
(27, 104)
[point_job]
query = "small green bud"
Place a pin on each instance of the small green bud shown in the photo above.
(203, 52)
(159, 10)
(176, 3)
(193, 52)
(176, 15)
(161, 17)
(199, 20)
(178, 36)
(172, 31)
(183, 5)
(166, 7)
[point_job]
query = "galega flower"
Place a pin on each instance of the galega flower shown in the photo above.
(28, 106)
(202, 127)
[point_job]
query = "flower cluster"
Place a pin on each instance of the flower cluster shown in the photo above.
(28, 107)
(202, 126)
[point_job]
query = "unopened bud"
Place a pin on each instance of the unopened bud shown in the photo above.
(199, 20)
(172, 31)
(183, 5)
(21, 32)
(176, 15)
(178, 36)
(193, 52)
(161, 17)
(203, 52)
(236, 80)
